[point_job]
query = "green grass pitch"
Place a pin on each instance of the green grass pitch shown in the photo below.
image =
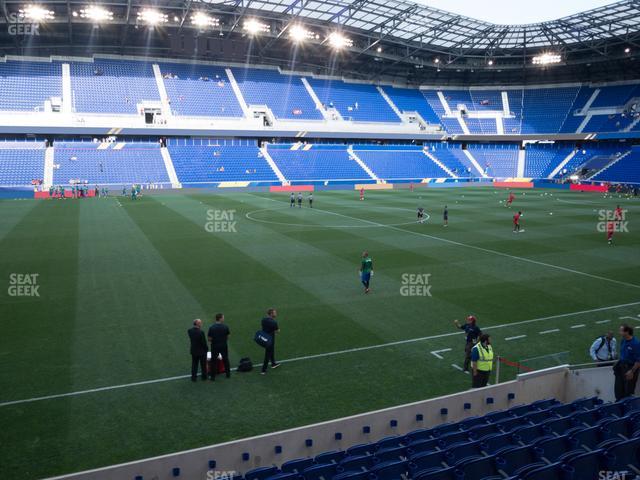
(119, 283)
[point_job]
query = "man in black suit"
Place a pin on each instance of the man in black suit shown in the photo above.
(270, 326)
(218, 335)
(199, 349)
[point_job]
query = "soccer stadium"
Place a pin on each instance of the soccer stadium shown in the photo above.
(319, 240)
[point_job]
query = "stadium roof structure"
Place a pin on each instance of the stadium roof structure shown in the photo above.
(388, 40)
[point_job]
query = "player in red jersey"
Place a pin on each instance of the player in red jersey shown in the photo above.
(611, 227)
(618, 214)
(361, 193)
(516, 222)
(510, 199)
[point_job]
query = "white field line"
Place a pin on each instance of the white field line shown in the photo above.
(457, 367)
(553, 330)
(603, 321)
(320, 355)
(631, 318)
(436, 353)
(578, 326)
(516, 337)
(481, 249)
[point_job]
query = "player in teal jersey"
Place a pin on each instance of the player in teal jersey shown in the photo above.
(366, 270)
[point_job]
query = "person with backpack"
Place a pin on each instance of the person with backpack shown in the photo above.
(270, 328)
(604, 350)
(218, 335)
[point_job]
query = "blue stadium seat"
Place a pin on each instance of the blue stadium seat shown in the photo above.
(520, 410)
(463, 453)
(388, 442)
(469, 423)
(557, 449)
(517, 461)
(418, 435)
(587, 417)
(528, 433)
(561, 410)
(446, 428)
(586, 403)
(560, 426)
(510, 424)
(631, 404)
(285, 476)
(423, 446)
(493, 444)
(480, 431)
(389, 454)
(479, 469)
(618, 428)
(439, 474)
(545, 404)
(497, 416)
(624, 455)
(586, 466)
(356, 463)
(536, 417)
(361, 449)
(333, 456)
(553, 471)
(297, 465)
(261, 473)
(362, 475)
(389, 470)
(453, 438)
(320, 472)
(426, 461)
(612, 410)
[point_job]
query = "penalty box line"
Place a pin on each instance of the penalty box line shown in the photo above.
(319, 355)
(481, 249)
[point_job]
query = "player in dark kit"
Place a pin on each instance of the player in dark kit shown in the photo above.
(516, 222)
(420, 215)
(311, 200)
(445, 216)
(366, 270)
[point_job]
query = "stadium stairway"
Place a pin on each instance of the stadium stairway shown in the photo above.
(545, 439)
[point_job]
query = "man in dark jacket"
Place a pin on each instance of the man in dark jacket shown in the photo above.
(218, 335)
(270, 326)
(199, 349)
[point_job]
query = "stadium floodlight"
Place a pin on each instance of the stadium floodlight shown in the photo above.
(436, 60)
(36, 13)
(298, 33)
(379, 49)
(202, 20)
(95, 13)
(339, 41)
(152, 16)
(547, 59)
(255, 27)
(490, 62)
(627, 50)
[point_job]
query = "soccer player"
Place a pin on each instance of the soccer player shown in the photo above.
(361, 193)
(619, 214)
(366, 270)
(299, 199)
(51, 190)
(510, 199)
(472, 332)
(311, 200)
(445, 216)
(420, 215)
(611, 227)
(292, 200)
(516, 222)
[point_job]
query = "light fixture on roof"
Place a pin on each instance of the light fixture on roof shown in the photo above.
(627, 50)
(490, 62)
(36, 13)
(95, 13)
(379, 49)
(436, 60)
(202, 20)
(546, 59)
(339, 41)
(254, 27)
(298, 33)
(151, 16)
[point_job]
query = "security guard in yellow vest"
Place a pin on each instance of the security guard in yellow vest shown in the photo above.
(481, 361)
